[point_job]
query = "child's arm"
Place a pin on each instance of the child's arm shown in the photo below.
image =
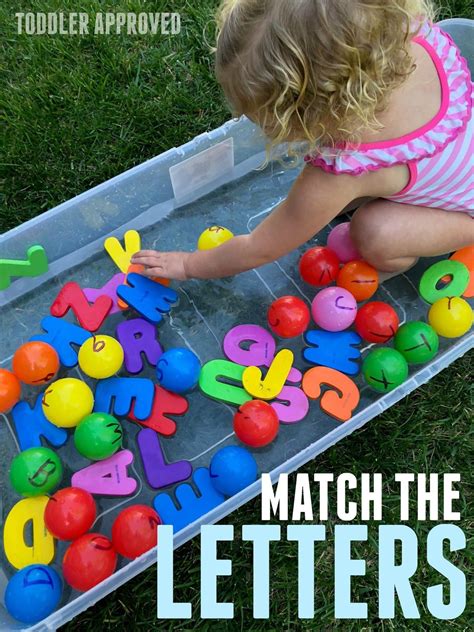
(314, 200)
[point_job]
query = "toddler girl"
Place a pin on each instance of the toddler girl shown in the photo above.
(379, 100)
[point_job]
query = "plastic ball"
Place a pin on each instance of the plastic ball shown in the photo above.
(178, 370)
(319, 266)
(134, 531)
(451, 317)
(288, 317)
(67, 401)
(256, 423)
(466, 256)
(340, 242)
(88, 561)
(417, 342)
(213, 237)
(33, 593)
(10, 390)
(70, 513)
(36, 471)
(377, 322)
(100, 357)
(35, 363)
(360, 278)
(334, 309)
(385, 369)
(232, 469)
(98, 436)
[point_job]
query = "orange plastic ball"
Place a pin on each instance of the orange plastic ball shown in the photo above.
(360, 279)
(35, 363)
(10, 390)
(466, 256)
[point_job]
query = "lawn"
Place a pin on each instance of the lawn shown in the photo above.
(79, 110)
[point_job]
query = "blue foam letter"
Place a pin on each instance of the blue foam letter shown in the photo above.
(31, 425)
(147, 297)
(336, 350)
(192, 506)
(61, 335)
(121, 395)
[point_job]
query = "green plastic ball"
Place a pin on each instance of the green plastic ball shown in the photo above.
(35, 472)
(98, 436)
(384, 369)
(417, 342)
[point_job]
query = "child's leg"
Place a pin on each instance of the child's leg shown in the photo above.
(391, 236)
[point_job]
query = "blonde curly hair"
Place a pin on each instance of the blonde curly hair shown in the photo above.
(315, 72)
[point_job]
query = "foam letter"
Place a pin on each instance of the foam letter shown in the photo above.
(121, 256)
(165, 403)
(36, 264)
(341, 402)
(211, 384)
(108, 477)
(31, 425)
(148, 298)
(62, 335)
(109, 289)
(18, 553)
(192, 507)
(334, 350)
(159, 473)
(91, 317)
(275, 379)
(138, 336)
(117, 395)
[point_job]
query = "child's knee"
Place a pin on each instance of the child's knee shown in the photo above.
(369, 231)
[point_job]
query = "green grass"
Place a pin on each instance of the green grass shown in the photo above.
(78, 111)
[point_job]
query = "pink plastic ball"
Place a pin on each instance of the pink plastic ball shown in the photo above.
(340, 242)
(334, 309)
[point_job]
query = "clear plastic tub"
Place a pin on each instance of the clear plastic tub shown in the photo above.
(143, 198)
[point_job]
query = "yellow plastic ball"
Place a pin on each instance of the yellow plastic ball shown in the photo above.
(451, 317)
(213, 237)
(67, 401)
(100, 357)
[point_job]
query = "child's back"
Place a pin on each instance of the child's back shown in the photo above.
(380, 102)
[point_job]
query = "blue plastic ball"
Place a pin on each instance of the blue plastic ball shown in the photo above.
(232, 469)
(178, 370)
(33, 593)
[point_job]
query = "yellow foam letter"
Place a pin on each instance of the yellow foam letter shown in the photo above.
(274, 381)
(121, 256)
(18, 553)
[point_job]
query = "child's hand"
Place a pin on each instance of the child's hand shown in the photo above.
(168, 265)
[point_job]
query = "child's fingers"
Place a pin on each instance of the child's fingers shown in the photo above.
(155, 272)
(149, 262)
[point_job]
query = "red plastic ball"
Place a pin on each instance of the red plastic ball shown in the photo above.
(70, 513)
(288, 317)
(135, 531)
(10, 390)
(35, 363)
(319, 266)
(360, 278)
(256, 423)
(377, 322)
(88, 561)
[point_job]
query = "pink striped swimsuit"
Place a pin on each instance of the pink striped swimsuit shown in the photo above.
(439, 155)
